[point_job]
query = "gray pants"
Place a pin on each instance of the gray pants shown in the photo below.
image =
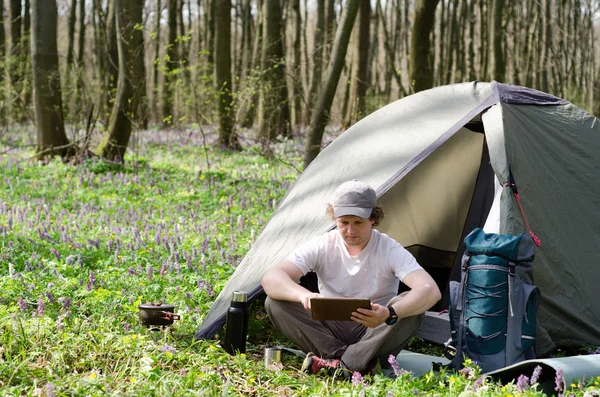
(356, 345)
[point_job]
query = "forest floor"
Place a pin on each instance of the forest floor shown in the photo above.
(81, 246)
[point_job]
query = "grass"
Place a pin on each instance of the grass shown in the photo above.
(82, 246)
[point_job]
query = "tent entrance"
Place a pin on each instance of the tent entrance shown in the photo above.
(439, 202)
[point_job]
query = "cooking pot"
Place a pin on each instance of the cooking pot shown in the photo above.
(157, 313)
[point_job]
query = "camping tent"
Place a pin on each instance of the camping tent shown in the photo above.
(436, 159)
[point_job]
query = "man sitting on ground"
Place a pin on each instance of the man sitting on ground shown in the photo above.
(353, 261)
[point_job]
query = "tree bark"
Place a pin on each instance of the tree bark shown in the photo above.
(357, 107)
(112, 61)
(248, 110)
(297, 92)
(15, 56)
(129, 15)
(155, 86)
(421, 71)
(81, 50)
(71, 35)
(51, 137)
(227, 136)
(316, 76)
(497, 61)
(334, 70)
(274, 111)
(2, 59)
(171, 63)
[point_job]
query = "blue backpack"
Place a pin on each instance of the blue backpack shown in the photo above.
(492, 310)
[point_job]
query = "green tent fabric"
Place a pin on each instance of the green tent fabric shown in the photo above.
(437, 160)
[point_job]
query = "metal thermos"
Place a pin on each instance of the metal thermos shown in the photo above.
(236, 326)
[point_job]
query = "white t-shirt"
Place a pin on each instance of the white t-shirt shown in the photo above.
(374, 273)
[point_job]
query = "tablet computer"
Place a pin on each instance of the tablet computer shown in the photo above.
(338, 309)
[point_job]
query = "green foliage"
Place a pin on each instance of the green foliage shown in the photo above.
(82, 246)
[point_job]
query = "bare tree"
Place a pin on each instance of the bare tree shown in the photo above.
(51, 137)
(171, 63)
(71, 34)
(497, 34)
(2, 54)
(129, 39)
(334, 70)
(357, 104)
(227, 136)
(317, 58)
(421, 71)
(274, 111)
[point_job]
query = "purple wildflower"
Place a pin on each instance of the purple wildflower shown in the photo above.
(416, 391)
(66, 302)
(467, 372)
(357, 378)
(22, 305)
(55, 253)
(49, 388)
(163, 269)
(178, 288)
(200, 284)
(167, 348)
(522, 383)
(478, 383)
(40, 308)
(131, 271)
(149, 272)
(537, 371)
(70, 259)
(92, 279)
(395, 366)
(558, 380)
(50, 297)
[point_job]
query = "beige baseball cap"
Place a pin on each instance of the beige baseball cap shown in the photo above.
(354, 198)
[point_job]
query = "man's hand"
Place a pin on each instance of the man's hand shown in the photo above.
(305, 300)
(371, 318)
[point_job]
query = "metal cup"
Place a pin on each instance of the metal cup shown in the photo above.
(272, 355)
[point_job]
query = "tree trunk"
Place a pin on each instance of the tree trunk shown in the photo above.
(26, 61)
(2, 59)
(329, 29)
(496, 57)
(129, 15)
(421, 71)
(334, 70)
(297, 92)
(249, 109)
(81, 51)
(112, 61)
(227, 136)
(273, 114)
(15, 56)
(138, 52)
(209, 24)
(71, 35)
(317, 56)
(171, 63)
(155, 87)
(471, 46)
(357, 107)
(51, 137)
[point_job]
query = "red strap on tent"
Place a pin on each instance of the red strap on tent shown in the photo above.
(535, 238)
